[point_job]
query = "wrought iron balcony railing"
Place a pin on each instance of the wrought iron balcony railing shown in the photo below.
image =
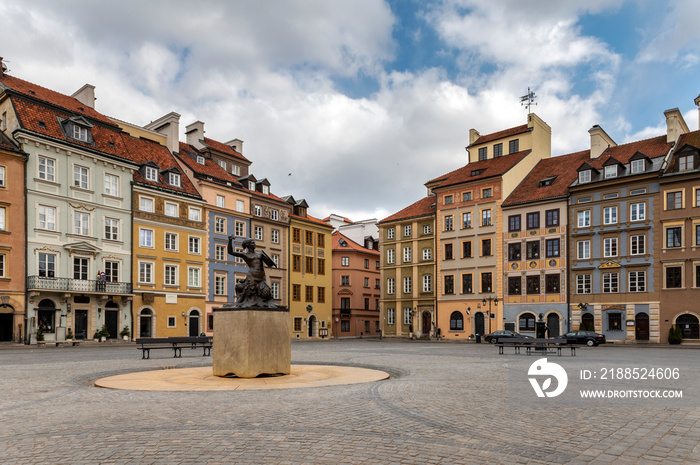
(77, 285)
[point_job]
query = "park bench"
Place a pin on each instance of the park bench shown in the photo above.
(537, 346)
(146, 344)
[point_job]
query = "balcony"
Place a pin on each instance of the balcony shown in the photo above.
(76, 285)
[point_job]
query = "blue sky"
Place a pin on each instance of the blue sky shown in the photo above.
(364, 101)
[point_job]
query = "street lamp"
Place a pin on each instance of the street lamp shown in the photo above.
(495, 302)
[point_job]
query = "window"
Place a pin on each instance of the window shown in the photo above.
(610, 247)
(297, 324)
(611, 283)
(685, 163)
(390, 256)
(235, 169)
(47, 218)
(390, 286)
(111, 185)
(345, 280)
(366, 282)
(171, 209)
(296, 263)
(532, 250)
(309, 293)
(449, 284)
(427, 254)
(222, 164)
(111, 229)
(309, 237)
(673, 237)
(609, 215)
(674, 200)
(47, 169)
(610, 171)
(552, 218)
(194, 277)
(448, 252)
(466, 197)
(407, 285)
(513, 146)
(80, 133)
(514, 223)
(448, 223)
(170, 275)
(80, 177)
(174, 179)
(321, 293)
(456, 321)
(112, 271)
(637, 245)
(2, 219)
(220, 201)
(638, 211)
(584, 176)
(637, 281)
(584, 219)
(80, 268)
(486, 217)
(310, 265)
(239, 229)
(514, 250)
(194, 245)
(583, 284)
(171, 242)
(407, 231)
(275, 236)
(367, 263)
(240, 206)
(390, 316)
(533, 220)
(427, 283)
(258, 233)
(344, 261)
(390, 233)
(275, 289)
(467, 249)
(146, 204)
(146, 273)
(201, 160)
(151, 174)
(486, 282)
(47, 265)
(514, 285)
(486, 193)
(527, 322)
(466, 220)
(406, 254)
(194, 214)
(497, 150)
(552, 248)
(614, 321)
(485, 247)
(146, 238)
(467, 284)
(584, 249)
(276, 259)
(533, 284)
(296, 235)
(81, 223)
(448, 200)
(426, 229)
(483, 153)
(674, 277)
(220, 253)
(296, 292)
(637, 166)
(551, 283)
(639, 191)
(220, 225)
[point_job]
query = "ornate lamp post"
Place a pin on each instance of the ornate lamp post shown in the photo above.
(495, 302)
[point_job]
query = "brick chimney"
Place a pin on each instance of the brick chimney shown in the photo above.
(600, 141)
(675, 124)
(169, 126)
(86, 95)
(195, 134)
(236, 144)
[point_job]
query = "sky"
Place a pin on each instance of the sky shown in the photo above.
(354, 105)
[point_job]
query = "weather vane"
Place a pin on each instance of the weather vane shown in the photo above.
(528, 100)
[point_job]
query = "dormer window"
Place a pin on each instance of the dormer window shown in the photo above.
(547, 181)
(151, 174)
(265, 189)
(235, 170)
(80, 133)
(685, 163)
(251, 185)
(477, 172)
(637, 166)
(610, 171)
(222, 164)
(584, 176)
(200, 160)
(174, 179)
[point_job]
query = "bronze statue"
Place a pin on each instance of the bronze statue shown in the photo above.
(252, 291)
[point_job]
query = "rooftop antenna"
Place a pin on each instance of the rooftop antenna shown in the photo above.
(528, 100)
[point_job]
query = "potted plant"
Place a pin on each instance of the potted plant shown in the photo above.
(40, 338)
(96, 336)
(69, 335)
(675, 335)
(125, 333)
(104, 333)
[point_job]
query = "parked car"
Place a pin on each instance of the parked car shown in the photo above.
(502, 334)
(584, 337)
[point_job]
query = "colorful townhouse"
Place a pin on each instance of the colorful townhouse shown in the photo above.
(407, 244)
(356, 288)
(535, 247)
(310, 274)
(618, 249)
(78, 199)
(12, 237)
(470, 226)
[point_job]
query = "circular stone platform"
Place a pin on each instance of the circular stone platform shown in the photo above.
(202, 379)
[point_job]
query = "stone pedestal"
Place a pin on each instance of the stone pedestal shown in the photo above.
(251, 341)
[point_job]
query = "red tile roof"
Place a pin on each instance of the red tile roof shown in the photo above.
(424, 207)
(500, 135)
(223, 148)
(309, 218)
(562, 168)
(351, 245)
(7, 144)
(188, 155)
(652, 148)
(491, 167)
(689, 138)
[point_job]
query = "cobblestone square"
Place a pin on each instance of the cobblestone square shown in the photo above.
(445, 403)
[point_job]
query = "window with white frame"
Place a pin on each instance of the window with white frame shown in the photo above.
(638, 244)
(637, 281)
(170, 278)
(584, 250)
(466, 220)
(407, 315)
(112, 185)
(111, 229)
(112, 271)
(80, 133)
(449, 224)
(171, 209)
(610, 215)
(637, 166)
(584, 219)
(583, 283)
(47, 217)
(265, 189)
(390, 256)
(426, 229)
(390, 316)
(610, 247)
(47, 169)
(47, 265)
(171, 242)
(236, 170)
(220, 252)
(194, 245)
(145, 237)
(3, 182)
(344, 261)
(390, 233)
(174, 179)
(258, 210)
(240, 229)
(194, 277)
(407, 285)
(610, 171)
(222, 164)
(80, 177)
(81, 223)
(407, 230)
(2, 219)
(194, 214)
(275, 236)
(486, 217)
(427, 254)
(240, 206)
(275, 288)
(427, 283)
(201, 160)
(275, 215)
(406, 254)
(220, 201)
(251, 185)
(638, 211)
(258, 233)
(151, 174)
(611, 283)
(390, 286)
(146, 272)
(276, 259)
(219, 285)
(220, 225)
(584, 176)
(146, 204)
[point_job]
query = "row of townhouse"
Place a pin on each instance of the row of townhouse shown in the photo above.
(105, 223)
(606, 239)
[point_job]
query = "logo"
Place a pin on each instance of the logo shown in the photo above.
(551, 370)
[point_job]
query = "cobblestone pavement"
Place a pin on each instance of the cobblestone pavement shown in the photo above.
(446, 403)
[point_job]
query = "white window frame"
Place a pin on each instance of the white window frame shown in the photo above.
(584, 176)
(113, 225)
(222, 164)
(219, 285)
(146, 204)
(173, 207)
(170, 278)
(220, 201)
(174, 179)
(275, 215)
(407, 254)
(3, 219)
(390, 233)
(390, 256)
(220, 225)
(80, 133)
(240, 206)
(275, 236)
(638, 211)
(111, 185)
(610, 171)
(610, 247)
(583, 284)
(146, 271)
(407, 284)
(220, 252)
(427, 283)
(638, 244)
(611, 283)
(584, 218)
(201, 160)
(258, 233)
(583, 250)
(146, 238)
(407, 315)
(194, 245)
(610, 215)
(47, 259)
(194, 214)
(637, 166)
(407, 231)
(258, 210)
(275, 289)
(635, 278)
(427, 253)
(151, 174)
(81, 223)
(344, 261)
(81, 177)
(390, 316)
(2, 177)
(239, 229)
(194, 277)
(390, 286)
(46, 169)
(426, 229)
(48, 224)
(236, 170)
(175, 241)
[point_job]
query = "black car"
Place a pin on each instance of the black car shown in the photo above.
(503, 334)
(584, 337)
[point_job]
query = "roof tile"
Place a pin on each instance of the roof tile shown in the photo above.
(424, 207)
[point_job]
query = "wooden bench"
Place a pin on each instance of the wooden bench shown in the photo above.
(533, 345)
(146, 344)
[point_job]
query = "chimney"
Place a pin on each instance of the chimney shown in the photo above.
(195, 134)
(600, 141)
(675, 125)
(697, 102)
(236, 144)
(169, 126)
(86, 95)
(473, 136)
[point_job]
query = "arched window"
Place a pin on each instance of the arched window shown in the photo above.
(146, 323)
(456, 321)
(689, 325)
(527, 322)
(46, 316)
